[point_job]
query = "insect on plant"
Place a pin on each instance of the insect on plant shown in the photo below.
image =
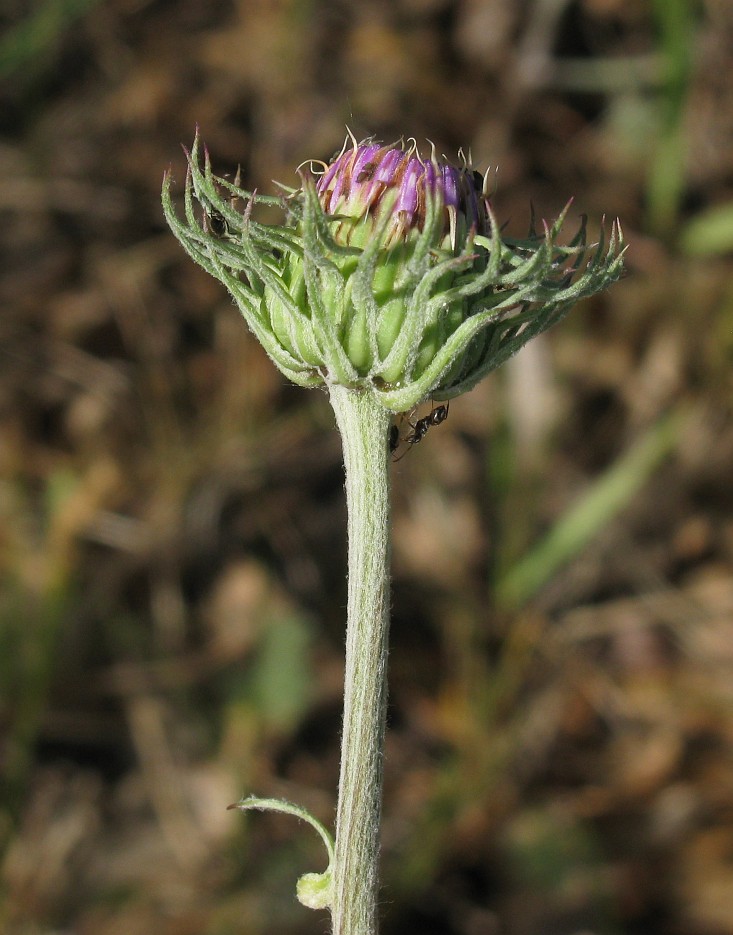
(419, 429)
(215, 223)
(394, 438)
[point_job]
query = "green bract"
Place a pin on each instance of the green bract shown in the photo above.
(388, 273)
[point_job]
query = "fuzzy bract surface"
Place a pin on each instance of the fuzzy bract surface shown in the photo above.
(387, 272)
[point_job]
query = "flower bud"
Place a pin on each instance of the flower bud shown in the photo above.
(389, 274)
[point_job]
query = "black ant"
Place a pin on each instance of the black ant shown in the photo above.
(215, 223)
(419, 429)
(394, 438)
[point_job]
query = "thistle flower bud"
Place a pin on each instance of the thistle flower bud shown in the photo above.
(389, 273)
(370, 183)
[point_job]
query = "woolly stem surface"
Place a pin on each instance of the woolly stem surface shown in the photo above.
(364, 427)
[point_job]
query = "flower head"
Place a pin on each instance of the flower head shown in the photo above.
(368, 183)
(388, 274)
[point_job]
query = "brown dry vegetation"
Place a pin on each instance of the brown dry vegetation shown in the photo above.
(560, 758)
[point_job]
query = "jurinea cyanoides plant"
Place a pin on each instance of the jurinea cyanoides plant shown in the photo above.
(388, 283)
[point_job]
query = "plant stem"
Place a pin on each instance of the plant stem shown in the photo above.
(364, 427)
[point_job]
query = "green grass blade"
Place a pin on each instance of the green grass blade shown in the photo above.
(586, 518)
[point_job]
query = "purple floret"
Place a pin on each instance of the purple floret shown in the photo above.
(356, 181)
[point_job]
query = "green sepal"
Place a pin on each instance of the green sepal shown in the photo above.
(404, 321)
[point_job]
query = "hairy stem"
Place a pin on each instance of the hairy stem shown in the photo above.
(364, 428)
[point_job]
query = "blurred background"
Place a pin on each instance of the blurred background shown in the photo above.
(172, 524)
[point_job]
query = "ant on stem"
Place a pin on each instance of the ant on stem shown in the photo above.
(420, 429)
